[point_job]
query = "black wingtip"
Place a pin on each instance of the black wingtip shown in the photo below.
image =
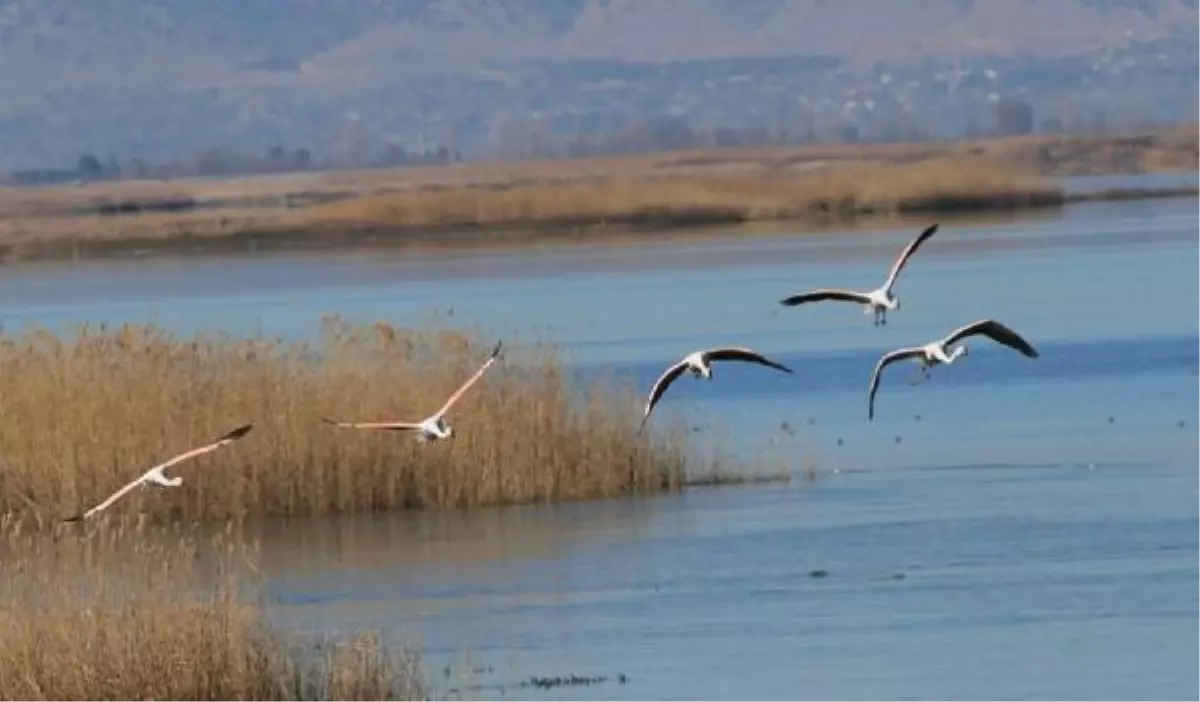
(237, 433)
(932, 228)
(76, 518)
(496, 351)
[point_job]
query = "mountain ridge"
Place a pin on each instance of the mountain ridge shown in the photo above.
(171, 76)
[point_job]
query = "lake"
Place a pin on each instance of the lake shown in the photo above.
(1010, 528)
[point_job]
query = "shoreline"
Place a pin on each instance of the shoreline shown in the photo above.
(465, 206)
(35, 520)
(339, 236)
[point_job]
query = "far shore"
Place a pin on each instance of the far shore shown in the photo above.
(580, 199)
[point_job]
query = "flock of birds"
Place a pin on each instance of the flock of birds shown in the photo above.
(878, 302)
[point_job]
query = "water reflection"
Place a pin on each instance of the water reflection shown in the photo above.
(454, 541)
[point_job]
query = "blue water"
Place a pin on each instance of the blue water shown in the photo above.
(1129, 180)
(1011, 528)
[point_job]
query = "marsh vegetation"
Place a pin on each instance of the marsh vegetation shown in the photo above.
(116, 612)
(89, 410)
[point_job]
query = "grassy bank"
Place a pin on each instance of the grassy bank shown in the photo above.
(438, 205)
(88, 412)
(847, 191)
(439, 216)
(1160, 150)
(150, 614)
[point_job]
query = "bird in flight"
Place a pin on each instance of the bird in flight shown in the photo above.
(157, 475)
(434, 427)
(880, 300)
(940, 352)
(700, 365)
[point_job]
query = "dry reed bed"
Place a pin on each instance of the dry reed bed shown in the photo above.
(180, 228)
(423, 206)
(837, 191)
(1165, 149)
(86, 413)
(144, 613)
(682, 196)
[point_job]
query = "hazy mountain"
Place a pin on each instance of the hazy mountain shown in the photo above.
(160, 78)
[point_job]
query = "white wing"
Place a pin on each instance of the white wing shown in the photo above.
(884, 361)
(826, 294)
(740, 353)
(112, 498)
(223, 441)
(660, 386)
(995, 331)
(908, 251)
(470, 381)
(372, 425)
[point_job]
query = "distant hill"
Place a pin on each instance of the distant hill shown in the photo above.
(160, 78)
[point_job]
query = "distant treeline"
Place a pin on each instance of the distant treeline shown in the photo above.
(534, 138)
(218, 162)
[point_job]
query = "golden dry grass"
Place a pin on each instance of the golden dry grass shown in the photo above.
(89, 411)
(148, 614)
(180, 228)
(843, 190)
(431, 217)
(831, 192)
(1165, 149)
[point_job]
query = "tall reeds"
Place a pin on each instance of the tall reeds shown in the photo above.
(121, 613)
(85, 412)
